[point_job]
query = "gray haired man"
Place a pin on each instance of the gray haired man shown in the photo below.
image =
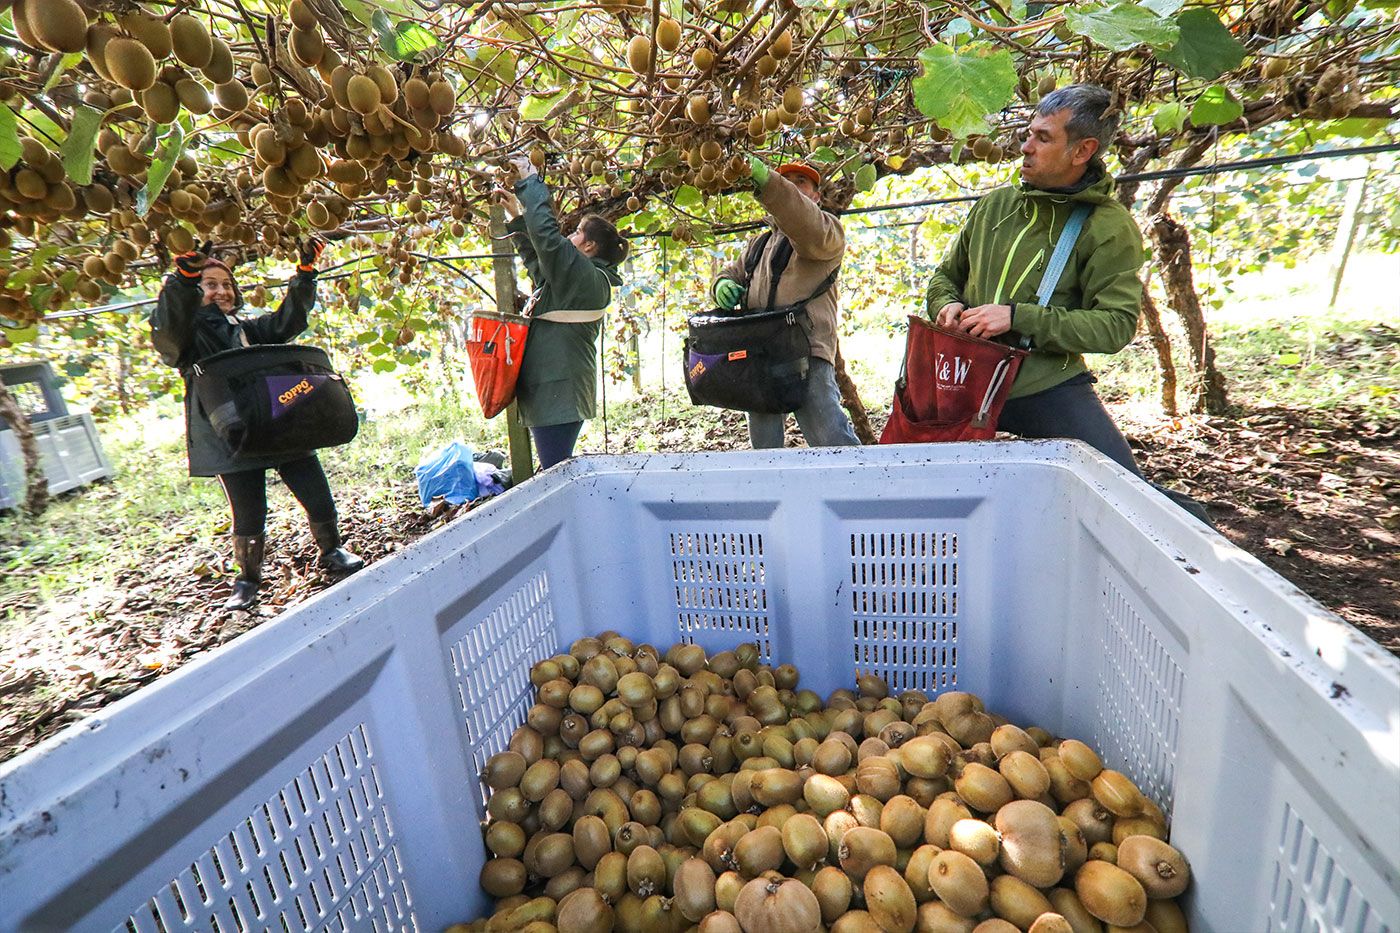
(986, 285)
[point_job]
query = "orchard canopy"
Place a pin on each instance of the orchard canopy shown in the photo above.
(129, 132)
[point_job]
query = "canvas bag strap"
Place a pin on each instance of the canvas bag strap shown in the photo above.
(1063, 247)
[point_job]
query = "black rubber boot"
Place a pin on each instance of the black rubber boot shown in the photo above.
(334, 557)
(248, 554)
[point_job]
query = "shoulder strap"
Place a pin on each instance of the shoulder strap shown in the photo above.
(754, 253)
(782, 255)
(1063, 247)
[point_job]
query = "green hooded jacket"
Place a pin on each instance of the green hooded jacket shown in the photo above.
(559, 373)
(1001, 253)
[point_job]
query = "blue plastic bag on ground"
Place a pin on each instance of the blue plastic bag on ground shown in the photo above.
(449, 473)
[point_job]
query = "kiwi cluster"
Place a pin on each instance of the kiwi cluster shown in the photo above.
(677, 791)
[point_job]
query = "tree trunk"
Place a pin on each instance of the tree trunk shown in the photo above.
(1173, 245)
(1162, 344)
(37, 485)
(123, 376)
(850, 398)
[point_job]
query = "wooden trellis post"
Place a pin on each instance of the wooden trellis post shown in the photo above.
(522, 457)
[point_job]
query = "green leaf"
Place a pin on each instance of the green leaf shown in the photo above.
(1170, 117)
(687, 196)
(384, 366)
(363, 10)
(825, 155)
(866, 177)
(1121, 26)
(403, 40)
(1215, 107)
(1163, 7)
(961, 87)
(1289, 359)
(670, 158)
(19, 335)
(78, 149)
(65, 63)
(10, 149)
(170, 151)
(1206, 49)
(534, 107)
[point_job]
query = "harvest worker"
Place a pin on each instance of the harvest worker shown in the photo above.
(986, 284)
(795, 263)
(196, 316)
(574, 277)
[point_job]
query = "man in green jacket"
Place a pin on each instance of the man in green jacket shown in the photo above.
(986, 285)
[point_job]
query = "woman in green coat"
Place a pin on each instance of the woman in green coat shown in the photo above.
(573, 279)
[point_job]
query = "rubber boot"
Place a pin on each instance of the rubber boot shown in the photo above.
(248, 554)
(334, 557)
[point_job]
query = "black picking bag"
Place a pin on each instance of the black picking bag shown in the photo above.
(753, 360)
(749, 362)
(272, 399)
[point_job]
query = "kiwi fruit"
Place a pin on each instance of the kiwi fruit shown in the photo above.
(1110, 893)
(220, 68)
(194, 96)
(668, 35)
(782, 45)
(638, 54)
(697, 109)
(190, 40)
(415, 94)
(60, 26)
(160, 102)
(301, 15)
(703, 59)
(130, 63)
(1159, 867)
(232, 96)
(362, 94)
(441, 97)
(306, 46)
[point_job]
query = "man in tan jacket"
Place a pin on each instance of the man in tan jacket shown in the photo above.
(815, 242)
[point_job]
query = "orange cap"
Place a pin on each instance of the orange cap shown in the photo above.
(803, 169)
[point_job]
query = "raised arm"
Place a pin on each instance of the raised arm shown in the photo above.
(172, 321)
(560, 262)
(815, 234)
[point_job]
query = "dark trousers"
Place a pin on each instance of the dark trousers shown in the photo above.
(1072, 409)
(247, 493)
(554, 443)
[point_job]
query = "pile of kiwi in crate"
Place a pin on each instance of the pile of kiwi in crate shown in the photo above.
(652, 793)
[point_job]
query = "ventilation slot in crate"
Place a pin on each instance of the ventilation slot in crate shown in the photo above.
(1310, 890)
(904, 608)
(1140, 690)
(492, 662)
(320, 854)
(721, 586)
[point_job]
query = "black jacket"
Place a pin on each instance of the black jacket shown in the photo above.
(185, 330)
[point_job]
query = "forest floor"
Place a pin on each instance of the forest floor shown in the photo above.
(119, 584)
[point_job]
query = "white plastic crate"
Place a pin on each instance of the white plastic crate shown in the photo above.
(320, 772)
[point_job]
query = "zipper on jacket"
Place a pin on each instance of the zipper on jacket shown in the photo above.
(1011, 253)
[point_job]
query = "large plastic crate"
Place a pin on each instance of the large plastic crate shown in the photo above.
(320, 772)
(69, 450)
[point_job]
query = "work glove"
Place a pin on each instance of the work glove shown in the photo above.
(191, 264)
(728, 293)
(311, 250)
(758, 172)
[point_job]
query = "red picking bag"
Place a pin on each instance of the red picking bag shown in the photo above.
(495, 347)
(952, 387)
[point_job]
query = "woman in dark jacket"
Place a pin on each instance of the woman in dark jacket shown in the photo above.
(573, 278)
(197, 316)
